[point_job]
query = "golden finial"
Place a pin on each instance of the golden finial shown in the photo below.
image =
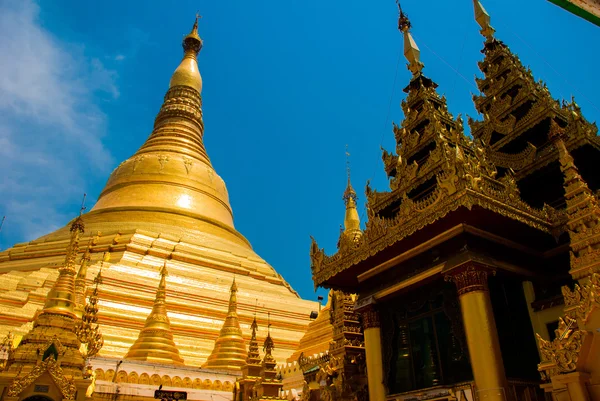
(483, 19)
(163, 271)
(411, 50)
(187, 73)
(192, 41)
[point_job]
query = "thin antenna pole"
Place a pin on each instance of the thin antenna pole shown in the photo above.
(347, 163)
(2, 223)
(82, 204)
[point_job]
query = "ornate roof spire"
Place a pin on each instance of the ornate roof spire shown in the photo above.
(187, 73)
(483, 19)
(411, 50)
(155, 342)
(230, 350)
(351, 219)
(583, 211)
(253, 354)
(268, 345)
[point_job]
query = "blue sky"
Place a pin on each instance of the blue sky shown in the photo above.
(287, 84)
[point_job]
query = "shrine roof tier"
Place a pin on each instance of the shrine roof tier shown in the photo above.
(517, 111)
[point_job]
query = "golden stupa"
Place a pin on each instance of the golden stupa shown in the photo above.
(164, 202)
(230, 348)
(155, 343)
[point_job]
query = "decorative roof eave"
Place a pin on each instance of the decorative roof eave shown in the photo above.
(382, 233)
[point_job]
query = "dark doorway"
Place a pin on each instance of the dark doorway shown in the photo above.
(38, 398)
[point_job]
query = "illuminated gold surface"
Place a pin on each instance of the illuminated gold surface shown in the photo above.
(230, 348)
(155, 342)
(165, 202)
(318, 335)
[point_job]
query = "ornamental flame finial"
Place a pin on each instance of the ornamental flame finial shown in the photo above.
(411, 50)
(483, 19)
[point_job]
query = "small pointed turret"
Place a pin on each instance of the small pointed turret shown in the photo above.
(230, 350)
(253, 354)
(483, 19)
(268, 346)
(61, 298)
(155, 342)
(411, 50)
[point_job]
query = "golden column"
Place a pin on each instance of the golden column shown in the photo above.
(480, 330)
(372, 332)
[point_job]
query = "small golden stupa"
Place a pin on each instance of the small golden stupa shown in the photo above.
(155, 343)
(230, 349)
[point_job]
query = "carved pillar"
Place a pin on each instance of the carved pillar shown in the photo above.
(480, 331)
(373, 354)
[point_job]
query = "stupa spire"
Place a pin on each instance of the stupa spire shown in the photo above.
(61, 298)
(483, 19)
(155, 341)
(230, 350)
(170, 178)
(411, 50)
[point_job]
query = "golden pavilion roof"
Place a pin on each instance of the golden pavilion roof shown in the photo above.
(437, 170)
(229, 352)
(155, 342)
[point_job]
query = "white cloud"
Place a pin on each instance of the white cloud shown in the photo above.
(50, 126)
(119, 57)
